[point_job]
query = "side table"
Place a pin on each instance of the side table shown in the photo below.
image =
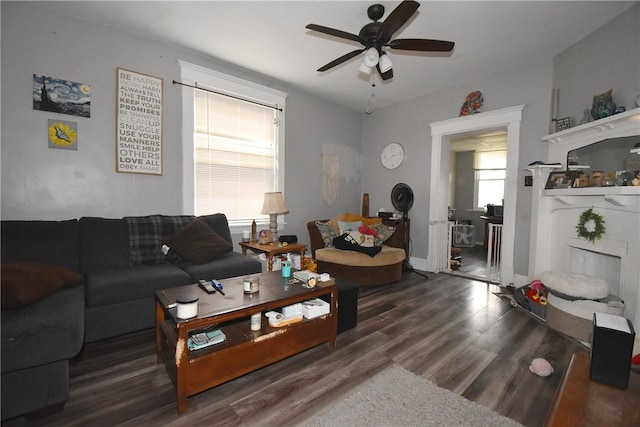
(271, 249)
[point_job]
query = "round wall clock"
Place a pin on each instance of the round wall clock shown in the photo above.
(392, 156)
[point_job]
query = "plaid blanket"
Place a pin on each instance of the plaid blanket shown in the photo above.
(146, 234)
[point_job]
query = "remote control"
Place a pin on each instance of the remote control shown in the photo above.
(217, 285)
(206, 286)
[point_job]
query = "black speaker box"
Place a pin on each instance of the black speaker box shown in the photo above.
(288, 238)
(611, 349)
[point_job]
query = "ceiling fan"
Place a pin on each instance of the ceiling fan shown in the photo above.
(376, 35)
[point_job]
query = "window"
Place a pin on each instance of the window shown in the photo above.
(490, 174)
(237, 149)
(235, 155)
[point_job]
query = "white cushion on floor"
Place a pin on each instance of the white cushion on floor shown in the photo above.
(575, 285)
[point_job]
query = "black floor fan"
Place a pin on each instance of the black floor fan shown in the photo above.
(402, 199)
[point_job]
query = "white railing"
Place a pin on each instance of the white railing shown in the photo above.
(439, 241)
(494, 252)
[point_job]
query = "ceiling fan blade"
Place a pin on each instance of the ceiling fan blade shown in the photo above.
(342, 59)
(385, 76)
(425, 45)
(396, 19)
(334, 32)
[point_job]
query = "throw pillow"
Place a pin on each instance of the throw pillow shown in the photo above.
(346, 226)
(23, 283)
(198, 243)
(384, 232)
(362, 239)
(327, 232)
(346, 242)
(334, 222)
(351, 217)
(146, 234)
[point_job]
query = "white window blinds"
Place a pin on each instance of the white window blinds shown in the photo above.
(236, 155)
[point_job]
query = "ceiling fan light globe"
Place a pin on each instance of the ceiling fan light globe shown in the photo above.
(364, 68)
(371, 57)
(385, 63)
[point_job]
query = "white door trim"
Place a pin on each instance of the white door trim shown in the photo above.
(439, 182)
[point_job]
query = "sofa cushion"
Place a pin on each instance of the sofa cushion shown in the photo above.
(327, 232)
(23, 283)
(44, 242)
(48, 330)
(387, 256)
(229, 264)
(104, 244)
(198, 243)
(115, 286)
(146, 234)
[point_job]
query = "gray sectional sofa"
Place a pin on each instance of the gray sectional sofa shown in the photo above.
(121, 264)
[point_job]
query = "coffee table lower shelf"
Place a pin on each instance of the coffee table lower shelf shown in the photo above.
(242, 352)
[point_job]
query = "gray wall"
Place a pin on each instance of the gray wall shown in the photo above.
(408, 123)
(608, 58)
(614, 48)
(43, 183)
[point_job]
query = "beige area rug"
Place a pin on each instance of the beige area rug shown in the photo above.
(397, 397)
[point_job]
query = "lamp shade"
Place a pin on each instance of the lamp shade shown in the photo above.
(385, 63)
(274, 204)
(371, 57)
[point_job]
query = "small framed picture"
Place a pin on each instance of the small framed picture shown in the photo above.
(562, 179)
(563, 124)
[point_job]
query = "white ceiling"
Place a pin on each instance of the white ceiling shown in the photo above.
(488, 141)
(270, 38)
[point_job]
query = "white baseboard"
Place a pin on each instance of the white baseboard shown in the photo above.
(520, 280)
(418, 263)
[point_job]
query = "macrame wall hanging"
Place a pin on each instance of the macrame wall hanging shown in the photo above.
(330, 178)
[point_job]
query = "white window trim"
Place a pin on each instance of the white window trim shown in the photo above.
(209, 79)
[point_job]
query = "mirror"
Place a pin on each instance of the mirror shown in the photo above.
(609, 156)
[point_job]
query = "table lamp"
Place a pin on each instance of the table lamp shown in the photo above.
(274, 205)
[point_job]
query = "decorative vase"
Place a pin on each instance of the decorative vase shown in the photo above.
(603, 105)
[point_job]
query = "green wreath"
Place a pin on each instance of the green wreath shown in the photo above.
(590, 226)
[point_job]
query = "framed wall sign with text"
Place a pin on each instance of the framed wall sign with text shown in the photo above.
(138, 123)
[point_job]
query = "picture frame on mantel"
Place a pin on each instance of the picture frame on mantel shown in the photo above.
(138, 123)
(561, 179)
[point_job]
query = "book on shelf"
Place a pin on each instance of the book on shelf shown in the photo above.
(205, 339)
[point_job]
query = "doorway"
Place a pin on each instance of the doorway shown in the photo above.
(477, 172)
(441, 134)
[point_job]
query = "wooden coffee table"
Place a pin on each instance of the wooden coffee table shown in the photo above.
(244, 350)
(583, 402)
(271, 249)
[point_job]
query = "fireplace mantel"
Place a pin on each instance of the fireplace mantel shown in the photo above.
(555, 213)
(616, 126)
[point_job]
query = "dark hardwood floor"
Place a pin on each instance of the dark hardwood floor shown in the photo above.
(450, 330)
(473, 263)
